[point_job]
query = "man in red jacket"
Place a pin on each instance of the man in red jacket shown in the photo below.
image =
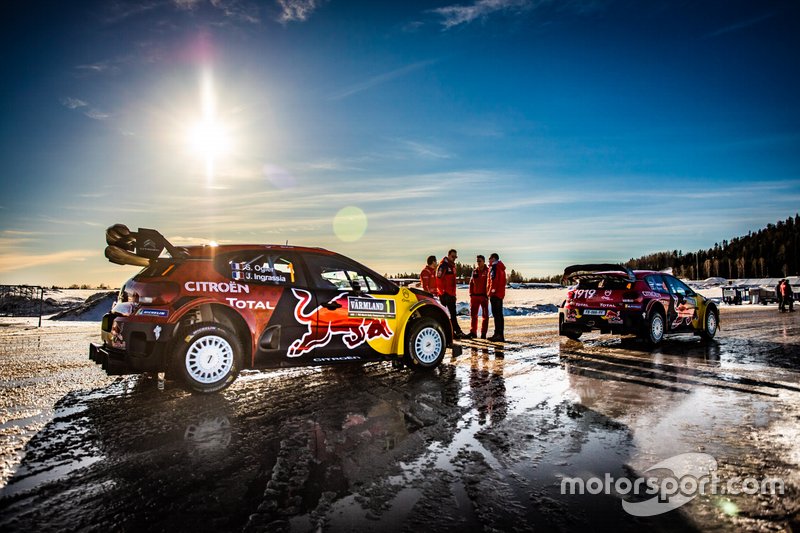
(496, 287)
(446, 284)
(428, 276)
(478, 299)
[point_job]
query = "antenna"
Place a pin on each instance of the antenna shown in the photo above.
(287, 242)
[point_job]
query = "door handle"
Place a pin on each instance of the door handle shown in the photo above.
(331, 305)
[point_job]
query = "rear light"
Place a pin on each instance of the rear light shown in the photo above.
(570, 295)
(157, 293)
(632, 296)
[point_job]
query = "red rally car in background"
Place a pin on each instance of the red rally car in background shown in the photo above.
(206, 312)
(615, 299)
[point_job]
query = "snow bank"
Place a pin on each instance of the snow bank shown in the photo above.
(92, 309)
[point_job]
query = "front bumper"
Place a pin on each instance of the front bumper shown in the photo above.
(133, 347)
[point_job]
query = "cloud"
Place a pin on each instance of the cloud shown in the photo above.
(740, 25)
(186, 5)
(238, 10)
(426, 151)
(96, 115)
(72, 103)
(297, 10)
(464, 14)
(20, 260)
(380, 79)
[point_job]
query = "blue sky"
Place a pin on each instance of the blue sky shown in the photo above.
(552, 132)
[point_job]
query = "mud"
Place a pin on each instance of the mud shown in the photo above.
(483, 442)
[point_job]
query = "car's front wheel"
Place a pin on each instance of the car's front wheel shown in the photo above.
(426, 344)
(654, 328)
(209, 357)
(710, 325)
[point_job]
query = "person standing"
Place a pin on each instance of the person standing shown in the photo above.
(478, 299)
(446, 285)
(428, 276)
(788, 296)
(496, 287)
(779, 295)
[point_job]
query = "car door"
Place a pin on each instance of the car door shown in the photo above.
(684, 304)
(354, 311)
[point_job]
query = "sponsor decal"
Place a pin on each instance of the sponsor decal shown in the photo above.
(333, 359)
(651, 294)
(585, 293)
(370, 307)
(211, 286)
(157, 332)
(633, 306)
(685, 312)
(153, 312)
(613, 317)
(612, 306)
(323, 324)
(249, 304)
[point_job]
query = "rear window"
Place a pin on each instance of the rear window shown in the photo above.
(605, 282)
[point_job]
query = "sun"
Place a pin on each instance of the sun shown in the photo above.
(208, 138)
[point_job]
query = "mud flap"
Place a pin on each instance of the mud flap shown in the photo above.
(457, 350)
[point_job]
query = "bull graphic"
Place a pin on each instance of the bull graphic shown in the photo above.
(332, 320)
(685, 314)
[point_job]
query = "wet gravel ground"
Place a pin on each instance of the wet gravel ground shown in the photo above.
(483, 442)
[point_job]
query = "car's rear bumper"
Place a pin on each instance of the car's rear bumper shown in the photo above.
(623, 323)
(137, 346)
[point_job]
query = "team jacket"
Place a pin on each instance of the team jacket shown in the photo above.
(478, 282)
(428, 279)
(497, 280)
(446, 277)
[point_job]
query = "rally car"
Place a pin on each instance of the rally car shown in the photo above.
(203, 313)
(615, 299)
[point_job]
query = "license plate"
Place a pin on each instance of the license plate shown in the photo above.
(598, 312)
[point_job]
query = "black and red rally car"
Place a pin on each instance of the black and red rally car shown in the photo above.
(615, 299)
(206, 312)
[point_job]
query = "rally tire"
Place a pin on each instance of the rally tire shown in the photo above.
(710, 324)
(566, 331)
(208, 357)
(654, 328)
(426, 344)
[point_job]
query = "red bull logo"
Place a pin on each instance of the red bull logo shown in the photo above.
(330, 319)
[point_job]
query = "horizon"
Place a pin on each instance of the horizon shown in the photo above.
(552, 133)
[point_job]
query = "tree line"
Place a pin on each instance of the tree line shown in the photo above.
(771, 252)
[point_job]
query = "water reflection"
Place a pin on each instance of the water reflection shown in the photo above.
(487, 384)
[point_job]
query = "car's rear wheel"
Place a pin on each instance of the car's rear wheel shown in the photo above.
(710, 325)
(566, 331)
(654, 328)
(209, 357)
(426, 344)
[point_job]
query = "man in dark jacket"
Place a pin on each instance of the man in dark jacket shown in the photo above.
(779, 296)
(497, 291)
(446, 285)
(478, 299)
(788, 295)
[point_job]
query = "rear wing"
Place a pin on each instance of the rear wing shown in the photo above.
(574, 272)
(126, 247)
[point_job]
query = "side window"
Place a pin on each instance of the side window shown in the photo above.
(328, 272)
(657, 284)
(678, 287)
(260, 268)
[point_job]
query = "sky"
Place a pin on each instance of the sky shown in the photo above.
(551, 132)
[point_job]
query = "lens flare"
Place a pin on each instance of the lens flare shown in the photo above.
(350, 224)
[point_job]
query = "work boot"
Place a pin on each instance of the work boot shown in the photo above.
(469, 335)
